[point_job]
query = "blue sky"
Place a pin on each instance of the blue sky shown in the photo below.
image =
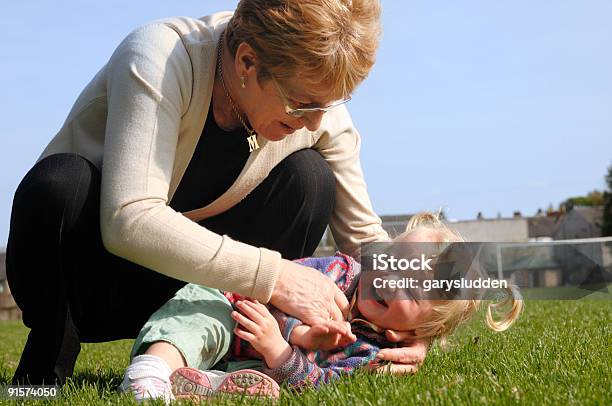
(489, 106)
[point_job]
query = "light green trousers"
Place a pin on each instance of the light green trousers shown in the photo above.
(197, 321)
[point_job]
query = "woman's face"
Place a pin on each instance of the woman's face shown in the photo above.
(264, 103)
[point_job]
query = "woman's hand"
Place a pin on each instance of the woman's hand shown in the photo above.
(259, 327)
(308, 295)
(404, 360)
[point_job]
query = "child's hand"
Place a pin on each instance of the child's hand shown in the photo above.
(324, 336)
(258, 327)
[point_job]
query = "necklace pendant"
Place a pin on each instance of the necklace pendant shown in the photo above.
(252, 140)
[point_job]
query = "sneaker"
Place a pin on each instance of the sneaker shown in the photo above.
(147, 384)
(195, 384)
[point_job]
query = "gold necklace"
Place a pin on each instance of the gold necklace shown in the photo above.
(252, 135)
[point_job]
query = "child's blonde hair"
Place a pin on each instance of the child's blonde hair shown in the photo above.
(447, 315)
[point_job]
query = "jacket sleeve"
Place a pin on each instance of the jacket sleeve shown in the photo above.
(299, 371)
(149, 85)
(286, 323)
(353, 221)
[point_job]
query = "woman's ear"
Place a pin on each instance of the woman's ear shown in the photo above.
(245, 60)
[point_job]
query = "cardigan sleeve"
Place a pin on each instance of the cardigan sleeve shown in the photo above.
(299, 371)
(149, 85)
(353, 220)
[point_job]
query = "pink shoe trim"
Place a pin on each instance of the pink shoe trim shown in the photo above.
(190, 383)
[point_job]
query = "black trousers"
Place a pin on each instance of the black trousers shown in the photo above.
(72, 290)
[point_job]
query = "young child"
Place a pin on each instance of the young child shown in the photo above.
(180, 334)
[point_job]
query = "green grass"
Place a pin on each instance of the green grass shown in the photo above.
(559, 352)
(589, 292)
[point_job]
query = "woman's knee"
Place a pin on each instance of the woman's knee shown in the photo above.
(56, 177)
(288, 211)
(310, 180)
(58, 191)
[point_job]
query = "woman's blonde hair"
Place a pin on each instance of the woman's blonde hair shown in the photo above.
(447, 315)
(330, 45)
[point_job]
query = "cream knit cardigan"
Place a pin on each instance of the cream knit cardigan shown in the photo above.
(139, 121)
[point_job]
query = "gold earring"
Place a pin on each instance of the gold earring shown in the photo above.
(242, 80)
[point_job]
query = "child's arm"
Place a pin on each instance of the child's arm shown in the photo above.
(284, 363)
(324, 336)
(299, 371)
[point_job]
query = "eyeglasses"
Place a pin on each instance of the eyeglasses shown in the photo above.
(304, 111)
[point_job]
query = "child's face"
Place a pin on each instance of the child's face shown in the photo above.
(404, 314)
(397, 315)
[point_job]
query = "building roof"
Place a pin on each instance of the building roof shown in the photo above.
(542, 226)
(580, 222)
(503, 229)
(594, 215)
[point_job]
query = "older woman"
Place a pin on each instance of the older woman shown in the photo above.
(209, 151)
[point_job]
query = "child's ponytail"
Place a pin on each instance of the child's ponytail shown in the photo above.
(514, 297)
